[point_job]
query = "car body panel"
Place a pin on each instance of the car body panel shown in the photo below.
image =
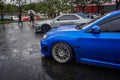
(107, 51)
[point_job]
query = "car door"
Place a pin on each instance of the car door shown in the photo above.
(104, 47)
(67, 19)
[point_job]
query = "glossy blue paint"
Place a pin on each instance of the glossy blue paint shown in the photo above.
(101, 49)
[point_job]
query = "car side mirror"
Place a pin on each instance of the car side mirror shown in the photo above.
(96, 29)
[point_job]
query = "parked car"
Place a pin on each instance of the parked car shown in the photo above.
(64, 19)
(6, 18)
(95, 15)
(37, 17)
(14, 18)
(25, 18)
(96, 43)
(43, 16)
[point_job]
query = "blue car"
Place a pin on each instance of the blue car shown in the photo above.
(96, 43)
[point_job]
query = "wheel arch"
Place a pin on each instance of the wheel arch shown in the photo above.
(45, 30)
(46, 24)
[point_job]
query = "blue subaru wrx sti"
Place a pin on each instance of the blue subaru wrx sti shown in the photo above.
(95, 43)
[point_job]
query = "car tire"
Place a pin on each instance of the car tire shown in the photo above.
(62, 52)
(45, 28)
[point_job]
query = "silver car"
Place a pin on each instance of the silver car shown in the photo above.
(64, 19)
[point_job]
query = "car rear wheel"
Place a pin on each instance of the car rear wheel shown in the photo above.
(62, 52)
(45, 28)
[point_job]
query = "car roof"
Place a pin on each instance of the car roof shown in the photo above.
(69, 14)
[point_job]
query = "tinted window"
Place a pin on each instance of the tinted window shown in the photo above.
(83, 15)
(111, 25)
(68, 17)
(110, 19)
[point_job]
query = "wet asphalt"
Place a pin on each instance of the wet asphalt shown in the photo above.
(20, 59)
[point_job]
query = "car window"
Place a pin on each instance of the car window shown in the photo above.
(82, 15)
(111, 25)
(68, 17)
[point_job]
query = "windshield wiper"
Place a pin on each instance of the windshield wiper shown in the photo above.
(80, 26)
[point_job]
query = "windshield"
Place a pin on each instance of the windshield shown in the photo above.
(83, 25)
(82, 15)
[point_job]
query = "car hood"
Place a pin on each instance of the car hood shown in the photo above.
(44, 21)
(70, 31)
(63, 29)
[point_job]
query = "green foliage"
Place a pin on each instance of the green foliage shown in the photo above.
(99, 4)
(2, 5)
(53, 6)
(48, 6)
(11, 8)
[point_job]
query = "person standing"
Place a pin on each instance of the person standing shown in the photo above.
(20, 23)
(31, 17)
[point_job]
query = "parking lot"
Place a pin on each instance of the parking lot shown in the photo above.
(20, 59)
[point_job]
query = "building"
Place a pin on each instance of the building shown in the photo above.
(106, 7)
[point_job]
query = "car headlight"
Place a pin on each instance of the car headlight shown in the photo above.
(44, 36)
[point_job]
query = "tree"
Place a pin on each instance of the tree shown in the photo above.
(117, 4)
(99, 4)
(11, 8)
(49, 6)
(53, 7)
(20, 4)
(2, 8)
(1, 5)
(83, 3)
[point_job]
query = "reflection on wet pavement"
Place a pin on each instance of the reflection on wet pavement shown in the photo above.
(20, 59)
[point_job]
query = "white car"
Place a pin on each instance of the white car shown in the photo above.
(15, 18)
(64, 19)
